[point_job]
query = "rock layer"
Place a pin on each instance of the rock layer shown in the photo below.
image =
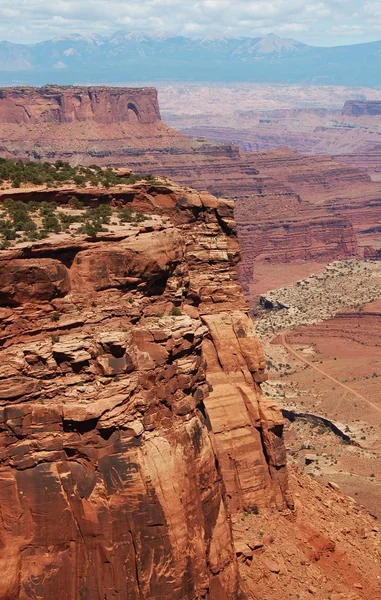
(31, 106)
(128, 434)
(282, 196)
(358, 108)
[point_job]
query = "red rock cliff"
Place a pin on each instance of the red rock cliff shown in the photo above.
(330, 200)
(357, 108)
(128, 435)
(67, 105)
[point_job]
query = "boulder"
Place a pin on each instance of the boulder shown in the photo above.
(32, 280)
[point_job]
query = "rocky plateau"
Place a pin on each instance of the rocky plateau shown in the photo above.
(281, 196)
(139, 455)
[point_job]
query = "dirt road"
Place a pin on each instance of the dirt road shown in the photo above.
(291, 350)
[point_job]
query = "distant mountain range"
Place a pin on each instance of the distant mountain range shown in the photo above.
(126, 57)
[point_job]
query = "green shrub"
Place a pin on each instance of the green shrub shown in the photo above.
(126, 215)
(75, 203)
(19, 218)
(67, 220)
(51, 223)
(90, 229)
(37, 173)
(47, 208)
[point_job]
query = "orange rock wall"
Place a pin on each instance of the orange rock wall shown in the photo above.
(31, 106)
(127, 435)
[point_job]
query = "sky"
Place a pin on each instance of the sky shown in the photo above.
(317, 22)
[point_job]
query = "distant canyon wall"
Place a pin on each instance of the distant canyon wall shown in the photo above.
(288, 195)
(33, 106)
(358, 108)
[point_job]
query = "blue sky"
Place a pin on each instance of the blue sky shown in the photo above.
(318, 22)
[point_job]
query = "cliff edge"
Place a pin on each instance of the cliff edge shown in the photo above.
(51, 104)
(132, 420)
(139, 457)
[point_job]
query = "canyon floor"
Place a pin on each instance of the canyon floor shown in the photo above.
(324, 355)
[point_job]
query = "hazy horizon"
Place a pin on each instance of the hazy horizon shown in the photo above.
(168, 34)
(316, 22)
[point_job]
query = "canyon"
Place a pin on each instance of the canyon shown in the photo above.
(139, 455)
(143, 448)
(330, 120)
(338, 202)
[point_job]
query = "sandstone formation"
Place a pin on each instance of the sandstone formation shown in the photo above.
(129, 430)
(38, 279)
(357, 108)
(24, 106)
(329, 188)
(139, 456)
(289, 206)
(80, 124)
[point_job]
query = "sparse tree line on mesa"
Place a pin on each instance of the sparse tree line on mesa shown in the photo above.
(36, 220)
(60, 172)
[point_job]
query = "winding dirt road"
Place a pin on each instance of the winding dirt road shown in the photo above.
(291, 350)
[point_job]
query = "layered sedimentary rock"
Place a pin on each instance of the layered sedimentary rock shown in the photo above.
(327, 189)
(284, 195)
(319, 239)
(315, 178)
(24, 106)
(80, 124)
(358, 108)
(367, 159)
(131, 416)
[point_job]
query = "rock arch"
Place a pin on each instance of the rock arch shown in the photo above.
(133, 113)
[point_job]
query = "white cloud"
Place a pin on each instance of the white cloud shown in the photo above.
(347, 30)
(316, 21)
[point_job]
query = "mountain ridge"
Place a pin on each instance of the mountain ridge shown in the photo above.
(127, 56)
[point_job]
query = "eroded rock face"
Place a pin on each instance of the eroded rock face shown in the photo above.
(149, 257)
(66, 105)
(357, 108)
(113, 483)
(32, 280)
(248, 427)
(128, 435)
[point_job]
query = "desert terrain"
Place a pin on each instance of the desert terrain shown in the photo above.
(323, 350)
(309, 119)
(121, 330)
(132, 359)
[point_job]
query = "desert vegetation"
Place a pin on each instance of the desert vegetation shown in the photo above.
(342, 285)
(21, 222)
(30, 221)
(17, 174)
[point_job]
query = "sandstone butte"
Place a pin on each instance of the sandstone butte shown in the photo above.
(289, 206)
(357, 108)
(139, 457)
